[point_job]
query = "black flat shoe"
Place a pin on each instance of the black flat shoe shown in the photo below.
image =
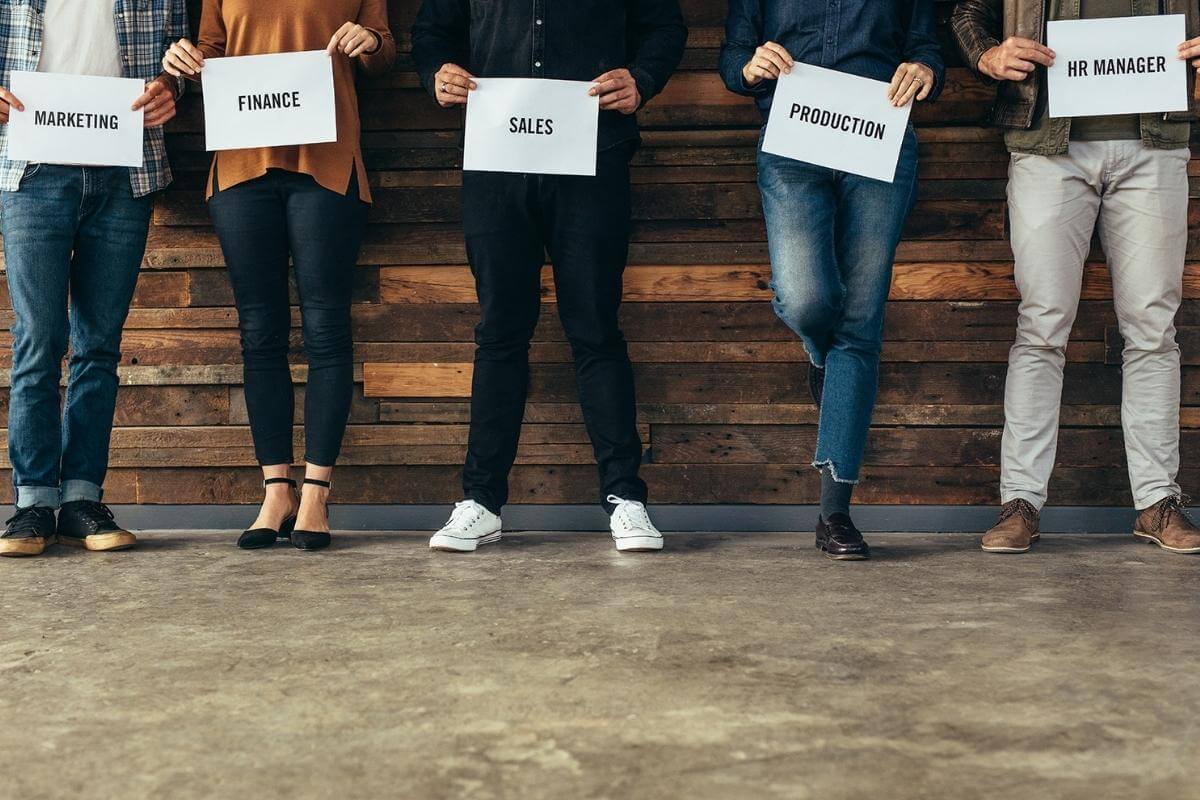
(312, 540)
(258, 538)
(839, 539)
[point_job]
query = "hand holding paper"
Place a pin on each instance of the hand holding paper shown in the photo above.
(8, 101)
(768, 62)
(1191, 50)
(451, 84)
(158, 103)
(1015, 59)
(353, 40)
(183, 59)
(913, 80)
(617, 91)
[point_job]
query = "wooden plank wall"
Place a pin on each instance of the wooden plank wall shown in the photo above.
(724, 409)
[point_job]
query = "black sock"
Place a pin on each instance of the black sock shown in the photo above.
(835, 495)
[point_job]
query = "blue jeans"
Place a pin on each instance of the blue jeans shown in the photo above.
(77, 233)
(832, 238)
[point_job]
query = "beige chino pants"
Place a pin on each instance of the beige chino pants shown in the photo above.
(1139, 196)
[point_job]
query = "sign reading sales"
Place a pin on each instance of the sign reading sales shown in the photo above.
(1126, 65)
(76, 119)
(836, 120)
(534, 125)
(269, 101)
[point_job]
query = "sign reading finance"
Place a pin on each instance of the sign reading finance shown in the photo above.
(269, 101)
(532, 125)
(76, 119)
(836, 120)
(1127, 65)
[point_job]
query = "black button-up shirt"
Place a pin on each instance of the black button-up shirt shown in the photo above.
(574, 40)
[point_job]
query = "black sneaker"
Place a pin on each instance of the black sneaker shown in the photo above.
(28, 532)
(90, 525)
(816, 384)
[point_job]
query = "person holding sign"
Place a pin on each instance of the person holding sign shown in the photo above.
(79, 232)
(511, 220)
(1129, 172)
(307, 203)
(832, 235)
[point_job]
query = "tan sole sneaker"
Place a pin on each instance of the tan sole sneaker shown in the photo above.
(1032, 540)
(1149, 537)
(23, 548)
(102, 542)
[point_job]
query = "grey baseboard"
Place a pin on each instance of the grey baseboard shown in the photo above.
(679, 518)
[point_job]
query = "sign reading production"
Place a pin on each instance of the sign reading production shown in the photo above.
(1127, 65)
(836, 120)
(269, 101)
(76, 119)
(533, 125)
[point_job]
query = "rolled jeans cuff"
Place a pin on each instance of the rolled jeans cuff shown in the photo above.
(43, 496)
(73, 490)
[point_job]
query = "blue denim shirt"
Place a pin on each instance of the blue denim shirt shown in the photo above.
(869, 38)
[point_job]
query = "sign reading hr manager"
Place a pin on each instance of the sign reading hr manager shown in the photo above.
(269, 101)
(836, 120)
(1125, 65)
(76, 119)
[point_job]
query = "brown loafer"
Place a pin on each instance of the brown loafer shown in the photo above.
(1015, 531)
(1167, 525)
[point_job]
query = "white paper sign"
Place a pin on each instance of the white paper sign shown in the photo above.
(1127, 65)
(269, 101)
(532, 125)
(76, 119)
(836, 120)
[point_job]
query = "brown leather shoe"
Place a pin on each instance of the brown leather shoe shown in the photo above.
(1166, 524)
(1015, 531)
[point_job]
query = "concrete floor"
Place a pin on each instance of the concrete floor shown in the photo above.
(733, 666)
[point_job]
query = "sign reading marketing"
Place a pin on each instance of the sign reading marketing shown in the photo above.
(76, 119)
(531, 125)
(836, 120)
(269, 101)
(1126, 65)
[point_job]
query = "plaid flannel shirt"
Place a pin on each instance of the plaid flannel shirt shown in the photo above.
(145, 29)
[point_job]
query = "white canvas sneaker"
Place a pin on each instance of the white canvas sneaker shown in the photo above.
(631, 527)
(469, 526)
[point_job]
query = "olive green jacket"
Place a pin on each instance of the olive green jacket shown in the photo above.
(979, 25)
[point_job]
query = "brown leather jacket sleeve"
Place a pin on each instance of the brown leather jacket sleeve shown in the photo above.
(977, 27)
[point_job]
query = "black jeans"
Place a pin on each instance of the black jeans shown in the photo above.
(511, 221)
(260, 223)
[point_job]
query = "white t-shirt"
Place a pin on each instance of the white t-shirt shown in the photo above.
(80, 38)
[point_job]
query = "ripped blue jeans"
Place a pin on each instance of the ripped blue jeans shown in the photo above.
(832, 238)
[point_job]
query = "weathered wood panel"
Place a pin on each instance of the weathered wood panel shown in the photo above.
(723, 406)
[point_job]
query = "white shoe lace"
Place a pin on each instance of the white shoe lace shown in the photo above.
(465, 514)
(631, 515)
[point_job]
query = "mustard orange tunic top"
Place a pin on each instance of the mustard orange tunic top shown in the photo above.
(261, 27)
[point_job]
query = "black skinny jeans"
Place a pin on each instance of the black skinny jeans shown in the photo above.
(511, 221)
(260, 223)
